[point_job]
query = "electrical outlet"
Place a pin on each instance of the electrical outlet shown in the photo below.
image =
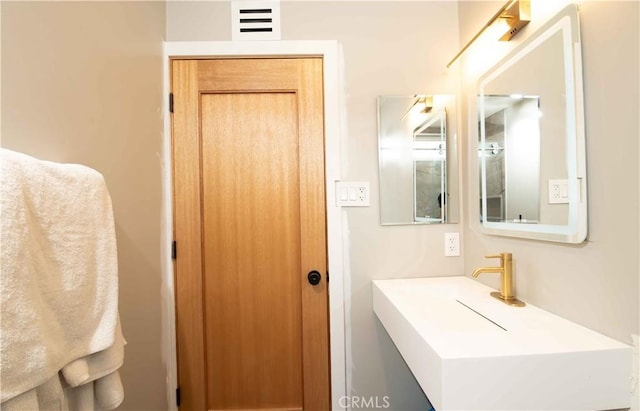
(558, 192)
(352, 193)
(452, 244)
(362, 194)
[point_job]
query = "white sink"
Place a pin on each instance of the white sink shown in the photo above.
(469, 351)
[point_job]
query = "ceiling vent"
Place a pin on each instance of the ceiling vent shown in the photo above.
(255, 20)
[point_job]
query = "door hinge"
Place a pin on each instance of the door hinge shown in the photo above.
(178, 396)
(170, 102)
(174, 250)
(327, 276)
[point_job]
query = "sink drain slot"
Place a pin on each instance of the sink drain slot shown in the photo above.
(481, 315)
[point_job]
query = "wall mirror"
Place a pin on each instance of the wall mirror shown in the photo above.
(531, 147)
(417, 152)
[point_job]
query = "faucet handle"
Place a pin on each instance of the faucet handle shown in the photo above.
(503, 256)
(493, 256)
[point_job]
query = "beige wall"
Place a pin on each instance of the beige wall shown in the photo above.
(82, 82)
(595, 283)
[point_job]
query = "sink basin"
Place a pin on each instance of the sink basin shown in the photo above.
(469, 351)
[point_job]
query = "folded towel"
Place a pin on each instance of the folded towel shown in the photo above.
(48, 396)
(59, 282)
(105, 393)
(97, 365)
(95, 379)
(26, 401)
(82, 398)
(77, 372)
(51, 395)
(103, 389)
(108, 391)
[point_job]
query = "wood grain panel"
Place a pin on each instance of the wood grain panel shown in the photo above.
(313, 235)
(248, 74)
(186, 209)
(252, 250)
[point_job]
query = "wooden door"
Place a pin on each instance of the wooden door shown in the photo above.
(250, 224)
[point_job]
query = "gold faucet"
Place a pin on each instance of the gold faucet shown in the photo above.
(506, 279)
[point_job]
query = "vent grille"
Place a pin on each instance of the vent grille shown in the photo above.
(255, 20)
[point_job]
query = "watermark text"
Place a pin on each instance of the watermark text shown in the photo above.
(356, 402)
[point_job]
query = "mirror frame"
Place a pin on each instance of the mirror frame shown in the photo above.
(566, 21)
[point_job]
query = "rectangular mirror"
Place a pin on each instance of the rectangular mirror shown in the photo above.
(417, 152)
(531, 147)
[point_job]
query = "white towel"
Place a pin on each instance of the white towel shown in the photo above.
(92, 367)
(97, 394)
(103, 394)
(49, 396)
(59, 282)
(108, 391)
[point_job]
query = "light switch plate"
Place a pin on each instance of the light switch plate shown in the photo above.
(352, 193)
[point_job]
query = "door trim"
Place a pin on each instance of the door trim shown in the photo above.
(329, 51)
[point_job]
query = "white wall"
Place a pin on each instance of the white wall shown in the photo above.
(595, 283)
(389, 48)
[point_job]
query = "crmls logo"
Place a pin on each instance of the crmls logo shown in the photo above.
(365, 402)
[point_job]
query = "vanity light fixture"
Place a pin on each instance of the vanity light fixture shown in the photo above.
(514, 15)
(427, 103)
(422, 105)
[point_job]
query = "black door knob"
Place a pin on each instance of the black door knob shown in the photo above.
(314, 277)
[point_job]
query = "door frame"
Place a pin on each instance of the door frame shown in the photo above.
(329, 51)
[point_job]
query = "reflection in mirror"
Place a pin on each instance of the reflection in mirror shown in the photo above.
(429, 169)
(531, 138)
(418, 160)
(511, 131)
